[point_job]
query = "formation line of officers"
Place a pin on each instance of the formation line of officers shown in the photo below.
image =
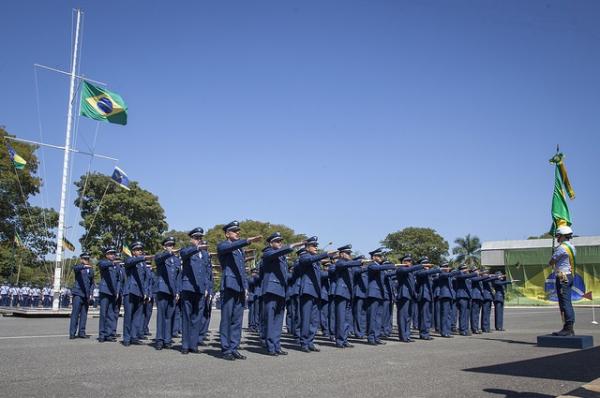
(342, 295)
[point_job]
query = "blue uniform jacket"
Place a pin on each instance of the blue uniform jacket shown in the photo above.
(109, 278)
(361, 282)
(84, 281)
(389, 278)
(376, 279)
(135, 268)
(445, 288)
(488, 291)
(463, 285)
(406, 283)
(167, 273)
(193, 269)
(149, 280)
(343, 277)
(231, 258)
(477, 287)
(294, 280)
(425, 284)
(499, 287)
(309, 267)
(275, 271)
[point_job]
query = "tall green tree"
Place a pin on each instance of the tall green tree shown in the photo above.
(112, 215)
(467, 250)
(34, 225)
(418, 242)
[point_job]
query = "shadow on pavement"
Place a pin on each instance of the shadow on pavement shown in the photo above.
(509, 341)
(579, 365)
(516, 394)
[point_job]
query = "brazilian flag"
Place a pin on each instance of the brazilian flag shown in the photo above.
(100, 104)
(560, 209)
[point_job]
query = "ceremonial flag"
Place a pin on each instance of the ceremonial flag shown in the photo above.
(120, 178)
(100, 104)
(560, 210)
(126, 250)
(18, 240)
(18, 161)
(68, 245)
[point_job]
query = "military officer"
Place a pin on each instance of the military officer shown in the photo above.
(205, 316)
(15, 293)
(294, 286)
(167, 291)
(563, 263)
(375, 294)
(310, 292)
(324, 302)
(47, 293)
(343, 294)
(446, 295)
(486, 303)
(274, 282)
(405, 295)
(134, 294)
(36, 294)
(109, 290)
(463, 297)
(476, 299)
(499, 286)
(234, 286)
(359, 306)
(82, 295)
(120, 268)
(424, 289)
(4, 291)
(194, 289)
(387, 309)
(149, 279)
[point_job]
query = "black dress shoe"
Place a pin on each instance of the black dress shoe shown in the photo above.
(228, 357)
(281, 352)
(136, 342)
(348, 345)
(272, 353)
(168, 345)
(405, 341)
(380, 342)
(305, 349)
(372, 342)
(314, 348)
(101, 339)
(126, 343)
(159, 346)
(340, 346)
(71, 337)
(195, 351)
(84, 336)
(237, 355)
(185, 352)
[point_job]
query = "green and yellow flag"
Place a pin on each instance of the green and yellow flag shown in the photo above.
(560, 210)
(126, 250)
(68, 245)
(18, 240)
(100, 104)
(17, 160)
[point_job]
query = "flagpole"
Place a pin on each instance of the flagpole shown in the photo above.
(63, 191)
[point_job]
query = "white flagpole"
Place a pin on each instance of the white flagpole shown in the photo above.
(63, 191)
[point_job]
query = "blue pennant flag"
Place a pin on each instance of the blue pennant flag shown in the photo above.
(120, 178)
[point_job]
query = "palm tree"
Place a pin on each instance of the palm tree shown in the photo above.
(468, 250)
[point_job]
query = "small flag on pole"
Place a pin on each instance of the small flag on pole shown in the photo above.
(126, 250)
(560, 210)
(120, 178)
(68, 245)
(100, 104)
(18, 240)
(18, 161)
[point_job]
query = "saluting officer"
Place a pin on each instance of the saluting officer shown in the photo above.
(149, 280)
(109, 290)
(205, 315)
(343, 294)
(82, 295)
(194, 289)
(250, 298)
(274, 283)
(499, 285)
(425, 296)
(486, 304)
(324, 302)
(463, 297)
(134, 295)
(375, 295)
(167, 292)
(476, 299)
(445, 296)
(359, 304)
(310, 292)
(406, 294)
(234, 287)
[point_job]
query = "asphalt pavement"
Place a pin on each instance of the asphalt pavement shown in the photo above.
(38, 360)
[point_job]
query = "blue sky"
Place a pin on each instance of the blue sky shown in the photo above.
(344, 119)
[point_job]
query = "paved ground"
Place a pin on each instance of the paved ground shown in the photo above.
(38, 360)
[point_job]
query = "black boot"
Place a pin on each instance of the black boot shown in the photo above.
(561, 331)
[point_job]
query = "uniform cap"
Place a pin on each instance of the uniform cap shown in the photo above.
(564, 230)
(424, 260)
(300, 251)
(85, 255)
(110, 250)
(377, 252)
(137, 245)
(168, 241)
(275, 236)
(345, 249)
(196, 233)
(406, 257)
(312, 241)
(232, 226)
